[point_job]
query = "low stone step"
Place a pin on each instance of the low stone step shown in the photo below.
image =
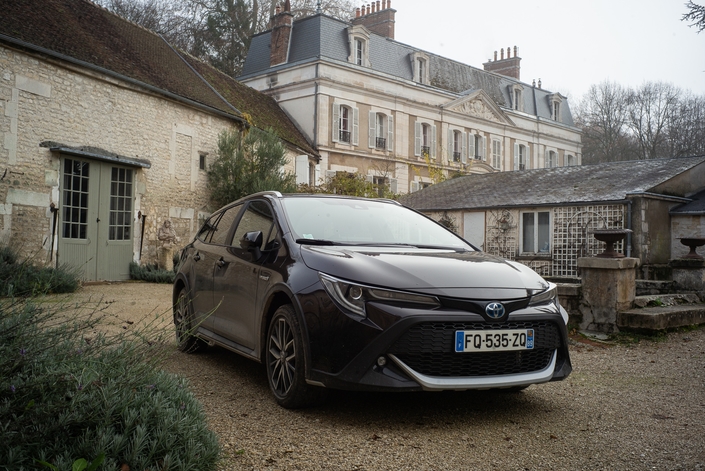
(661, 317)
(650, 287)
(657, 300)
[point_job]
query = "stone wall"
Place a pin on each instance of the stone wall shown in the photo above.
(45, 100)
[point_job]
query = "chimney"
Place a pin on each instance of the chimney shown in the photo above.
(281, 35)
(378, 17)
(509, 66)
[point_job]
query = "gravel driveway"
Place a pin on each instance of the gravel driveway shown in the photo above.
(624, 407)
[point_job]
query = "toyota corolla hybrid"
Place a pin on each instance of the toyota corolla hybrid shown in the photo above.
(363, 294)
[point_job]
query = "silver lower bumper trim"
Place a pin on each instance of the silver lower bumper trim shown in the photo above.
(438, 383)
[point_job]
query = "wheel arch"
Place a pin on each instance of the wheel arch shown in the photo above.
(277, 298)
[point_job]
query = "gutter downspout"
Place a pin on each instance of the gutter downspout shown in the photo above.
(629, 226)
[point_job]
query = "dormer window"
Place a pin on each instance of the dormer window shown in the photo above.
(359, 40)
(420, 66)
(517, 97)
(555, 101)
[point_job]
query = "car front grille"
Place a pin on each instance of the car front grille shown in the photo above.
(428, 348)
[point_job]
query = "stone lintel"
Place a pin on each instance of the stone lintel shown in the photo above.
(625, 263)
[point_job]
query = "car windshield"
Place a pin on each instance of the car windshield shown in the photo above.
(364, 222)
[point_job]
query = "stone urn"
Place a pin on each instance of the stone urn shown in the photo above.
(610, 237)
(693, 243)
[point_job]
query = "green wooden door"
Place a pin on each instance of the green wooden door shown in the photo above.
(95, 233)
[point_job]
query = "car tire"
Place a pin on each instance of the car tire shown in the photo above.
(183, 323)
(284, 358)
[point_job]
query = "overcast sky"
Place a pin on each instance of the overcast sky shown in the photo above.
(569, 44)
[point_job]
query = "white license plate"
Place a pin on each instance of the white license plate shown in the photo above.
(493, 340)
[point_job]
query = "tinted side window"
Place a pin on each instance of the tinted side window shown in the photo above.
(224, 224)
(257, 217)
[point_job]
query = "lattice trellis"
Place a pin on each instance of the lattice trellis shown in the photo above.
(572, 234)
(501, 234)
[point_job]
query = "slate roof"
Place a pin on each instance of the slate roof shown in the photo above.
(86, 34)
(323, 37)
(697, 206)
(550, 186)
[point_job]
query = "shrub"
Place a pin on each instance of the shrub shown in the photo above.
(69, 393)
(151, 273)
(23, 278)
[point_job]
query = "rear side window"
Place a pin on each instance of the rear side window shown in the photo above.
(216, 229)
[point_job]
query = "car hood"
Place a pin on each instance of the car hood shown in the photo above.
(474, 275)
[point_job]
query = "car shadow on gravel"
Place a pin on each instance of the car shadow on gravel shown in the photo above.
(220, 375)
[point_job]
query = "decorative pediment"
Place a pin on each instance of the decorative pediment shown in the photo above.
(478, 104)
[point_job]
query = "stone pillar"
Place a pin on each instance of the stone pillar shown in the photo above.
(609, 286)
(166, 257)
(689, 275)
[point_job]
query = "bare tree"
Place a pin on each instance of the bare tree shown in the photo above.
(696, 15)
(602, 116)
(649, 110)
(686, 130)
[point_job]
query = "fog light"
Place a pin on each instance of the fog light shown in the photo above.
(381, 361)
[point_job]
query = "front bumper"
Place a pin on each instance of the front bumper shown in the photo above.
(418, 349)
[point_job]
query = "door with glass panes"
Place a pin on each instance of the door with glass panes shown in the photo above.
(95, 225)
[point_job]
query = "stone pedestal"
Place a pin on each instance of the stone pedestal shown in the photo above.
(609, 286)
(166, 257)
(689, 274)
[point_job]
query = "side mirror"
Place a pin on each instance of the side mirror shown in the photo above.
(252, 241)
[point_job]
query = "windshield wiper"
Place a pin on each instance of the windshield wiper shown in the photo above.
(315, 242)
(402, 244)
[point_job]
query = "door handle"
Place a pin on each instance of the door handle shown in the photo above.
(220, 263)
(197, 257)
(264, 275)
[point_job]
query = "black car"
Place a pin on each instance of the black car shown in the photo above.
(363, 294)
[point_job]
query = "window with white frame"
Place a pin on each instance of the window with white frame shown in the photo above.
(477, 146)
(424, 139)
(520, 157)
(345, 124)
(517, 97)
(457, 150)
(418, 185)
(497, 154)
(569, 160)
(555, 100)
(419, 61)
(359, 40)
(551, 159)
(536, 232)
(381, 131)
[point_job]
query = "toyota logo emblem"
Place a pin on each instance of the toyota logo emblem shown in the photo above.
(494, 310)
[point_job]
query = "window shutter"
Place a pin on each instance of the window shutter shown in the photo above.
(393, 185)
(516, 156)
(417, 138)
(336, 122)
(356, 126)
(330, 175)
(302, 169)
(464, 150)
(390, 133)
(546, 155)
(373, 130)
(414, 186)
(450, 145)
(317, 175)
(369, 178)
(433, 141)
(471, 145)
(483, 151)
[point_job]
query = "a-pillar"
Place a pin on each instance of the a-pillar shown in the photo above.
(608, 287)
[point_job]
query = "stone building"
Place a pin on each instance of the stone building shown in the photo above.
(544, 218)
(402, 116)
(107, 131)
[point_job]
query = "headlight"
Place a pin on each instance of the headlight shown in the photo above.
(547, 296)
(352, 296)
